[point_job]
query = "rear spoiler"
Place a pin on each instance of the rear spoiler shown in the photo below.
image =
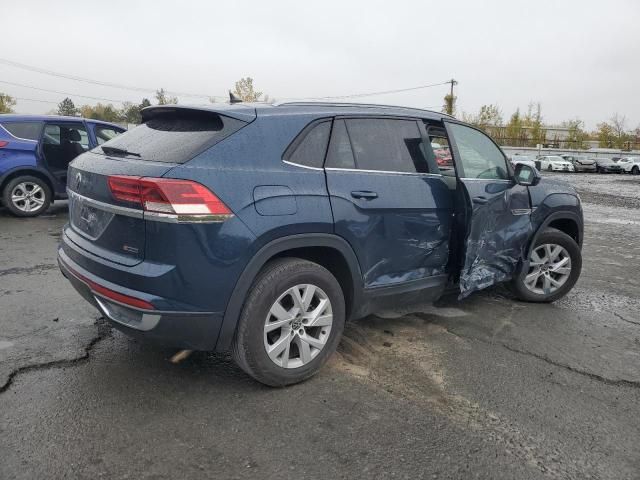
(237, 111)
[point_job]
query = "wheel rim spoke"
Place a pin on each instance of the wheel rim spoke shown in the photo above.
(314, 342)
(322, 321)
(278, 347)
(307, 297)
(305, 350)
(269, 327)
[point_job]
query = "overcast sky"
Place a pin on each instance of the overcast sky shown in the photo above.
(578, 58)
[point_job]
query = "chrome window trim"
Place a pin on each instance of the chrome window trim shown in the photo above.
(152, 216)
(336, 169)
(301, 166)
(503, 180)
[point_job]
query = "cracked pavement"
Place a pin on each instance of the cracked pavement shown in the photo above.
(484, 388)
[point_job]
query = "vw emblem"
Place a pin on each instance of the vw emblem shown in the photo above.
(79, 179)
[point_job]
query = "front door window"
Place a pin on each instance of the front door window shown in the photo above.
(479, 156)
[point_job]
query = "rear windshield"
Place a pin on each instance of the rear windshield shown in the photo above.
(173, 137)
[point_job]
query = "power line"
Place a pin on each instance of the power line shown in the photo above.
(61, 93)
(183, 94)
(384, 92)
(98, 82)
(34, 100)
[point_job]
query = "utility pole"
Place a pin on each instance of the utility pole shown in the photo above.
(453, 82)
(450, 99)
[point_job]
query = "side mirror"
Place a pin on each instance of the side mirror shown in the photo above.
(526, 175)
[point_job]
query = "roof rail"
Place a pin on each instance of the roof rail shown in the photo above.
(362, 105)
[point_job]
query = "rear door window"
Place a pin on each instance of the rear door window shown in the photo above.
(391, 145)
(439, 149)
(24, 130)
(310, 147)
(173, 137)
(340, 154)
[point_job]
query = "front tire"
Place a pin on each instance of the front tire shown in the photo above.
(555, 264)
(635, 171)
(291, 322)
(26, 196)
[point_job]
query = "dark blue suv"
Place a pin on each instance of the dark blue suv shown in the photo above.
(35, 152)
(262, 229)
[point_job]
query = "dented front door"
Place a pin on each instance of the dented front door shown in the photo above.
(498, 210)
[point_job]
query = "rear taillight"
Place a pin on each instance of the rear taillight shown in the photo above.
(3, 143)
(182, 199)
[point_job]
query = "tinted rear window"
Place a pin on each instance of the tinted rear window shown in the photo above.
(311, 147)
(175, 137)
(28, 130)
(387, 144)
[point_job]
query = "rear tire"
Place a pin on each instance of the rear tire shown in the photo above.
(273, 291)
(26, 196)
(635, 171)
(569, 249)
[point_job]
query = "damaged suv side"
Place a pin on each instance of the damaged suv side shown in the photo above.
(262, 228)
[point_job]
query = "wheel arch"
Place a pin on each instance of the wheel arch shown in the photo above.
(328, 250)
(566, 221)
(27, 171)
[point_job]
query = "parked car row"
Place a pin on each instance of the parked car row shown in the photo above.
(577, 163)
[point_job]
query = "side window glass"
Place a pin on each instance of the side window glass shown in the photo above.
(440, 149)
(104, 134)
(311, 150)
(479, 156)
(340, 154)
(66, 135)
(25, 130)
(387, 144)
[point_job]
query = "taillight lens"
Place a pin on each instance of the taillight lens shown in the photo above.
(167, 195)
(3, 143)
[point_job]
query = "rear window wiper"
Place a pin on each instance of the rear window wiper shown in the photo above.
(117, 151)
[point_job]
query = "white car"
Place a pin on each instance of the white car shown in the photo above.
(555, 163)
(516, 159)
(630, 165)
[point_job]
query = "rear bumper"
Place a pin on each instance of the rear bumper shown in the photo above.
(189, 330)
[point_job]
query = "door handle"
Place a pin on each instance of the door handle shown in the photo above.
(480, 200)
(364, 194)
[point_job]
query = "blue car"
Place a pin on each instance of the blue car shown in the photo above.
(261, 229)
(35, 152)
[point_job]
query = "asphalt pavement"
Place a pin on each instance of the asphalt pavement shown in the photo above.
(484, 388)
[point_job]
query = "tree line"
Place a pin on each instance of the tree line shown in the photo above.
(129, 112)
(527, 129)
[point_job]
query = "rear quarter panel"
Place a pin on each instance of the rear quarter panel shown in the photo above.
(247, 168)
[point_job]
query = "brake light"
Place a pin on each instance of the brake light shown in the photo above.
(169, 196)
(3, 143)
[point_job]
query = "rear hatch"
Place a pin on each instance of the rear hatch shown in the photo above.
(114, 228)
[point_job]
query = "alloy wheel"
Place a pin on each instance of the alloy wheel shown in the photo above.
(298, 326)
(28, 197)
(549, 269)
